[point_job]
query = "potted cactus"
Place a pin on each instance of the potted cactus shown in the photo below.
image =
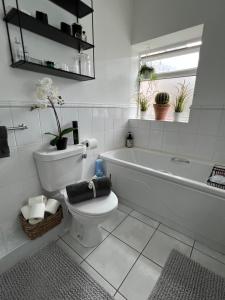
(161, 105)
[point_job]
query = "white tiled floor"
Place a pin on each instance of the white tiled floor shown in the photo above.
(133, 252)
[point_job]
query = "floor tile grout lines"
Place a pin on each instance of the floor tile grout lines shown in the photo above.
(100, 275)
(129, 215)
(159, 229)
(170, 235)
(209, 255)
(135, 262)
(78, 242)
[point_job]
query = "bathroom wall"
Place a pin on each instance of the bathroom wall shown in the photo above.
(100, 106)
(203, 136)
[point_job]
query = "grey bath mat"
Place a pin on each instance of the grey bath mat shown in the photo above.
(49, 274)
(184, 279)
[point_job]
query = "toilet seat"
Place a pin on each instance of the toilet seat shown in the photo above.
(95, 207)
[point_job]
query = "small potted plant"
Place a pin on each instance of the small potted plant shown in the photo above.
(161, 105)
(47, 94)
(143, 105)
(183, 93)
(147, 73)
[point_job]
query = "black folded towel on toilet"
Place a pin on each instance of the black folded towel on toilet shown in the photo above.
(4, 147)
(85, 190)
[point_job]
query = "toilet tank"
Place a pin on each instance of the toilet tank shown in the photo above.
(57, 169)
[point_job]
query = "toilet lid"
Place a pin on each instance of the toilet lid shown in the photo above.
(94, 207)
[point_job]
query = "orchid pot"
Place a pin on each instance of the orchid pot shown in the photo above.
(61, 144)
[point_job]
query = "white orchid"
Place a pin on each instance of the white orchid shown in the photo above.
(46, 91)
(47, 96)
(46, 81)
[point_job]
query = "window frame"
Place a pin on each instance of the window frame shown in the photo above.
(144, 58)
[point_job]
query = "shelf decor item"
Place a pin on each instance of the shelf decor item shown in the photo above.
(147, 73)
(37, 230)
(66, 28)
(161, 106)
(144, 105)
(42, 17)
(47, 94)
(76, 30)
(39, 25)
(183, 94)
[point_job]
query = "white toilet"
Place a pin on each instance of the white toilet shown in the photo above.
(57, 169)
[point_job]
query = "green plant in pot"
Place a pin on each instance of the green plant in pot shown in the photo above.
(147, 73)
(143, 102)
(161, 105)
(47, 95)
(183, 93)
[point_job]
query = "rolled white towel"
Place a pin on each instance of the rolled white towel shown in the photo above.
(37, 213)
(25, 210)
(51, 206)
(34, 221)
(37, 199)
(217, 179)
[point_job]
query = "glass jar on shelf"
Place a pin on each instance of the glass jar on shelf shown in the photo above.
(17, 50)
(85, 64)
(76, 64)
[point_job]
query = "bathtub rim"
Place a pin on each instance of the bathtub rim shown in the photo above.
(194, 184)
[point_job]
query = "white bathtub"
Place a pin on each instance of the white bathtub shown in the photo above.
(172, 190)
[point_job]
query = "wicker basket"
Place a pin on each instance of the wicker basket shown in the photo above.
(34, 231)
(217, 170)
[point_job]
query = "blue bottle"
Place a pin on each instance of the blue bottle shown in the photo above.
(99, 168)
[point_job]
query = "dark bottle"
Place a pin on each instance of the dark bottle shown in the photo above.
(75, 133)
(129, 140)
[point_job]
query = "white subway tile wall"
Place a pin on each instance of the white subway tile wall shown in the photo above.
(19, 178)
(203, 137)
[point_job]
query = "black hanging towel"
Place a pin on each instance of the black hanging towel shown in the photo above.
(4, 147)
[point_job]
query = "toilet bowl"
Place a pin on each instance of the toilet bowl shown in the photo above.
(58, 169)
(87, 217)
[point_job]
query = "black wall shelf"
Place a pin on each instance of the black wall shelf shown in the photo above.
(30, 66)
(17, 17)
(32, 24)
(75, 7)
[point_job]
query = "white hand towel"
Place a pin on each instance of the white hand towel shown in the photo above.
(34, 221)
(37, 212)
(25, 210)
(37, 199)
(52, 206)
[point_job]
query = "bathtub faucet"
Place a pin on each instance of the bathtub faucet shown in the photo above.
(180, 160)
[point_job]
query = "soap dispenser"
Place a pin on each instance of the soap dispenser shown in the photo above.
(130, 140)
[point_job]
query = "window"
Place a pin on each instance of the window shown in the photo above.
(172, 67)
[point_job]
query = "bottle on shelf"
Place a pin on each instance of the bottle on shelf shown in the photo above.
(75, 133)
(84, 36)
(76, 64)
(26, 52)
(88, 65)
(85, 64)
(17, 49)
